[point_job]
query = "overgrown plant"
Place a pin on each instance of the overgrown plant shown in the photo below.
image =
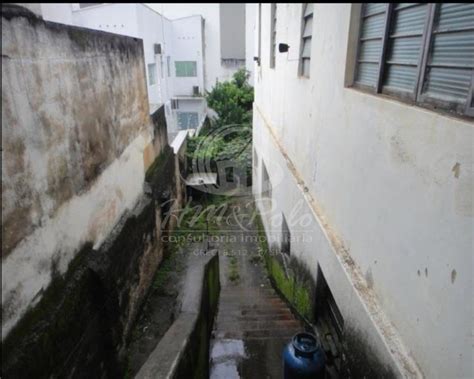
(232, 100)
(229, 136)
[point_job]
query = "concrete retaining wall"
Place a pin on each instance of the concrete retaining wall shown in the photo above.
(183, 352)
(75, 127)
(81, 230)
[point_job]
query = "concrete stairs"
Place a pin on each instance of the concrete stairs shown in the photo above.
(252, 327)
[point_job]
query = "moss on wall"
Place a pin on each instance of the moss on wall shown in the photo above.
(80, 326)
(296, 284)
(65, 332)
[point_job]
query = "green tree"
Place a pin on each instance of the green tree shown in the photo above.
(232, 101)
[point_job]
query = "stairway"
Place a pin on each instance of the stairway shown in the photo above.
(253, 324)
(252, 327)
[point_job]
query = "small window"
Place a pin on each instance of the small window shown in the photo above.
(152, 74)
(330, 322)
(229, 174)
(255, 159)
(285, 237)
(87, 5)
(188, 120)
(418, 52)
(306, 34)
(186, 69)
(168, 64)
(273, 21)
(266, 186)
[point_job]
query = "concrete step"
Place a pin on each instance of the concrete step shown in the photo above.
(253, 300)
(263, 317)
(254, 312)
(258, 334)
(257, 325)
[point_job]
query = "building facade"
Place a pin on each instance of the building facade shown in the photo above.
(173, 49)
(363, 144)
(224, 35)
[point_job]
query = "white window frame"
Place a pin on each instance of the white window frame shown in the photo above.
(152, 74)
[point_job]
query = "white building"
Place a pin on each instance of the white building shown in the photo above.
(380, 156)
(224, 35)
(173, 49)
(251, 38)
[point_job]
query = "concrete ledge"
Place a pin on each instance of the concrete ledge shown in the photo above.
(184, 349)
(179, 141)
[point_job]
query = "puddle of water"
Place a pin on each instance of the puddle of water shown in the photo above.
(228, 348)
(227, 370)
(226, 354)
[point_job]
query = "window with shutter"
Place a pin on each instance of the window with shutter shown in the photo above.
(273, 22)
(450, 63)
(419, 52)
(405, 45)
(306, 34)
(370, 43)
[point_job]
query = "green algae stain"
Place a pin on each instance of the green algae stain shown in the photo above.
(297, 291)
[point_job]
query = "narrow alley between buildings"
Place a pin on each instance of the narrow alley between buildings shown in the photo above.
(237, 190)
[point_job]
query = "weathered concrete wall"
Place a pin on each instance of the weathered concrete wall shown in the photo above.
(75, 131)
(388, 187)
(81, 325)
(183, 352)
(73, 287)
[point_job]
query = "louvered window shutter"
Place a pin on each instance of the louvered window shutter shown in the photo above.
(450, 63)
(405, 47)
(307, 32)
(370, 43)
(273, 34)
(421, 52)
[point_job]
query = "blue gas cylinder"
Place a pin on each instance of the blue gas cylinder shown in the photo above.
(303, 358)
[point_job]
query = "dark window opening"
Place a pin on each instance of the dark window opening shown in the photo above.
(266, 187)
(286, 237)
(229, 174)
(329, 322)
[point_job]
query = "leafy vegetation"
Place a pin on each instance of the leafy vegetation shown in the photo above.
(232, 100)
(295, 287)
(229, 136)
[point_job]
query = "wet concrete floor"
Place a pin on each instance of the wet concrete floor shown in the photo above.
(253, 324)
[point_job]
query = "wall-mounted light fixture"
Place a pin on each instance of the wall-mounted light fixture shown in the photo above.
(283, 47)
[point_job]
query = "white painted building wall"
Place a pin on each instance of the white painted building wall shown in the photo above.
(391, 224)
(187, 46)
(210, 12)
(181, 40)
(251, 38)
